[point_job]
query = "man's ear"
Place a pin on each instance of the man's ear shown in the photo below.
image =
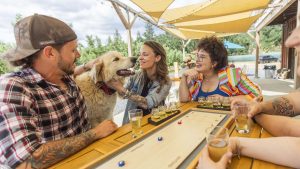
(49, 52)
(96, 71)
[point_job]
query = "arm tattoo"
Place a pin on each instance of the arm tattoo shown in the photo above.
(283, 107)
(54, 151)
(140, 100)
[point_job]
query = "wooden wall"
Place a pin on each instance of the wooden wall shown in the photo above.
(288, 54)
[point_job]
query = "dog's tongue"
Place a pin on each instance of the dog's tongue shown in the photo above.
(125, 72)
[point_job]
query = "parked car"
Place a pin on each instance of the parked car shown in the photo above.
(267, 59)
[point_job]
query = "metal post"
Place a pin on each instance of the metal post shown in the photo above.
(129, 35)
(183, 49)
(256, 53)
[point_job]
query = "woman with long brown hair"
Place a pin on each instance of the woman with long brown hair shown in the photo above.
(149, 87)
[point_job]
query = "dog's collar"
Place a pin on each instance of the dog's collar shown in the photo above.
(105, 88)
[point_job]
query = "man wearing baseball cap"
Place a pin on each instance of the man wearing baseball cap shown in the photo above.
(42, 113)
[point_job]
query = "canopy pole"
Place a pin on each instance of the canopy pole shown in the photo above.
(257, 44)
(184, 44)
(183, 49)
(139, 14)
(129, 33)
(127, 24)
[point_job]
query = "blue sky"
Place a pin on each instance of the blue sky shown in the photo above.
(88, 17)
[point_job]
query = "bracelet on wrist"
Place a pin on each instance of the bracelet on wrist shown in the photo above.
(127, 94)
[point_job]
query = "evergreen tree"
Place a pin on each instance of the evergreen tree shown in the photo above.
(149, 32)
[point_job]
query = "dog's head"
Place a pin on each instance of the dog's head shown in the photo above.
(112, 65)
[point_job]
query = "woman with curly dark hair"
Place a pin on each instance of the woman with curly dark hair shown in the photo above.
(149, 87)
(213, 77)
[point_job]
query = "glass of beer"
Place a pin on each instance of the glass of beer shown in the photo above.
(155, 114)
(202, 101)
(217, 140)
(210, 101)
(162, 111)
(240, 113)
(226, 103)
(135, 117)
(216, 102)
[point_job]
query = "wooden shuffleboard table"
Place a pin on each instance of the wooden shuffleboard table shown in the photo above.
(179, 148)
(174, 145)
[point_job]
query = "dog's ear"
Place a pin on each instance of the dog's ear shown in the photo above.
(96, 71)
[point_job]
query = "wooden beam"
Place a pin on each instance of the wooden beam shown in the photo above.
(129, 35)
(139, 14)
(132, 22)
(120, 14)
(271, 14)
(184, 44)
(297, 55)
(127, 24)
(256, 40)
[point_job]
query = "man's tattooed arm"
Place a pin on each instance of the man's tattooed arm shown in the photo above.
(283, 107)
(52, 152)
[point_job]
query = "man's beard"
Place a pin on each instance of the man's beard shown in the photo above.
(68, 70)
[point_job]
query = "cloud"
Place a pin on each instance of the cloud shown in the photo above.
(88, 17)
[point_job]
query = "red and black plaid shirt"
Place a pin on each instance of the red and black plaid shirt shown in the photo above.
(34, 111)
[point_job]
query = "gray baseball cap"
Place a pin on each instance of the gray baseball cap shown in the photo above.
(35, 32)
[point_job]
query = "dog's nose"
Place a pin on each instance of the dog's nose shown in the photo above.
(133, 59)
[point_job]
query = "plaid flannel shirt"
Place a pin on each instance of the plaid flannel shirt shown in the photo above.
(34, 111)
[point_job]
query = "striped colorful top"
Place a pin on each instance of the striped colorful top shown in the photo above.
(231, 81)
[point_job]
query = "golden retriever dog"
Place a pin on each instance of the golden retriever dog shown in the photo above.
(100, 99)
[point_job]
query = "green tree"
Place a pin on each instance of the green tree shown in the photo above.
(242, 39)
(4, 68)
(192, 46)
(136, 45)
(117, 44)
(93, 49)
(17, 19)
(149, 32)
(270, 38)
(169, 40)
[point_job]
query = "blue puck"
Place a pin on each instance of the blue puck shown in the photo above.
(159, 138)
(121, 163)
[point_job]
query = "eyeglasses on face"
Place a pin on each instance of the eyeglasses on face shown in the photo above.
(200, 57)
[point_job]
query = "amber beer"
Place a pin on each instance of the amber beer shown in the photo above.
(241, 118)
(242, 123)
(217, 140)
(135, 117)
(217, 148)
